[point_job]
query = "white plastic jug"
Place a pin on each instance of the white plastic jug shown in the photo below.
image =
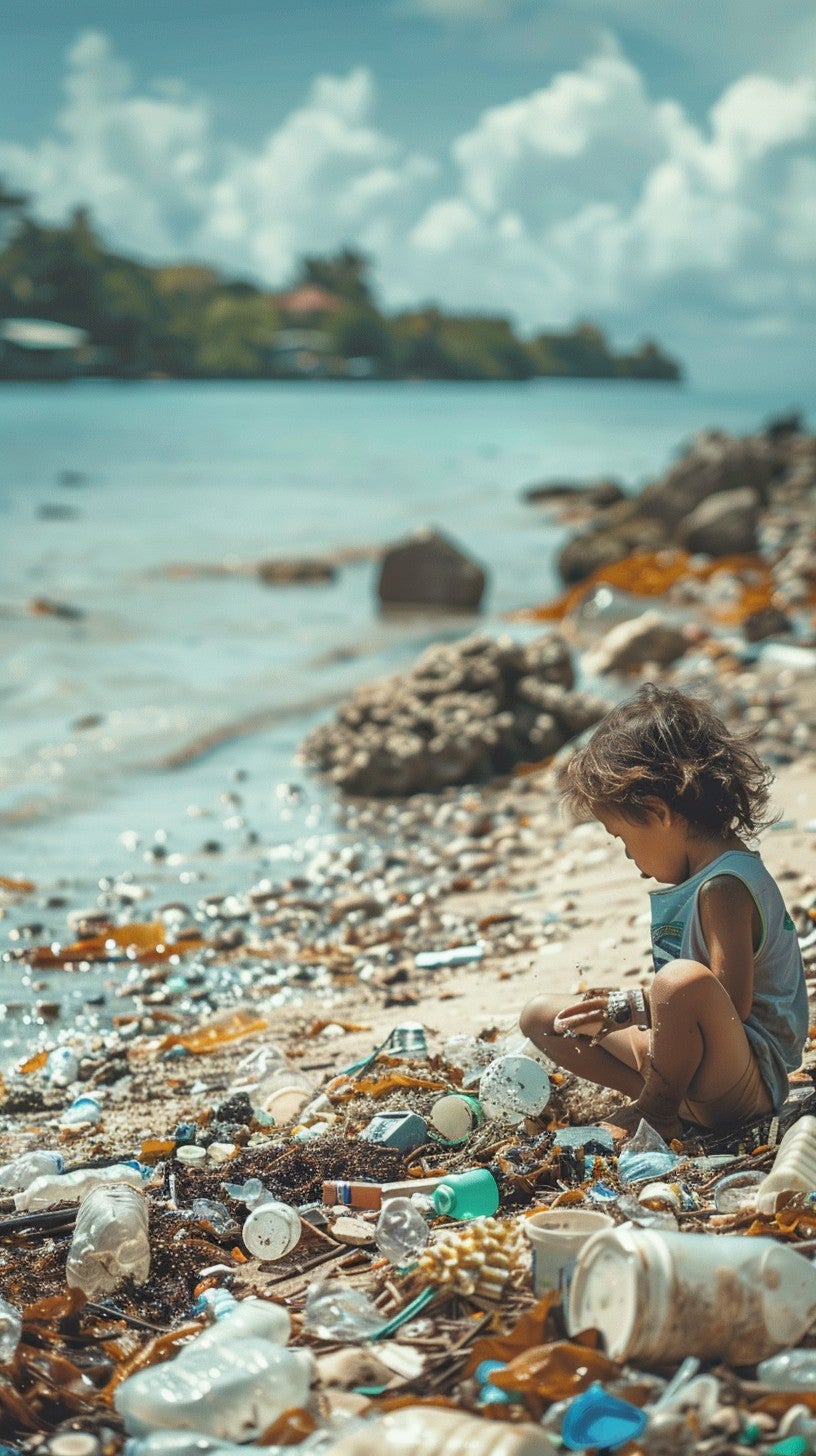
(431, 1431)
(794, 1168)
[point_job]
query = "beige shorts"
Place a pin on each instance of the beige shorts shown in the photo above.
(748, 1098)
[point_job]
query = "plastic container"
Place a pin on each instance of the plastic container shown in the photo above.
(794, 1168)
(110, 1242)
(185, 1443)
(11, 1327)
(272, 1230)
(790, 1370)
(474, 1194)
(84, 1110)
(557, 1236)
(240, 1319)
(402, 1232)
(53, 1188)
(737, 1191)
(20, 1173)
(407, 1040)
(514, 1088)
(284, 1094)
(429, 1431)
(455, 1116)
(233, 1391)
(661, 1296)
(596, 1418)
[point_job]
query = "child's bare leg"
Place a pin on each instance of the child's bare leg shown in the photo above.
(611, 1063)
(698, 1046)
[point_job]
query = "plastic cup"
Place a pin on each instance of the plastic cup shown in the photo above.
(514, 1088)
(557, 1236)
(272, 1230)
(456, 1115)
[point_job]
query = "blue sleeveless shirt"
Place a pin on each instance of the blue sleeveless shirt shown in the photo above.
(777, 1024)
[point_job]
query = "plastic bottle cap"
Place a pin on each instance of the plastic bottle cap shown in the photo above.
(271, 1230)
(191, 1153)
(598, 1419)
(73, 1443)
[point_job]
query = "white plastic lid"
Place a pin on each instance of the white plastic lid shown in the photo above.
(271, 1230)
(610, 1286)
(191, 1153)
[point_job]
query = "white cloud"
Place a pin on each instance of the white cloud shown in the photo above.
(586, 196)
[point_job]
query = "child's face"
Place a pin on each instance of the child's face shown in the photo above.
(659, 846)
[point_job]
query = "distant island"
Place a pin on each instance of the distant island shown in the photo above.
(68, 306)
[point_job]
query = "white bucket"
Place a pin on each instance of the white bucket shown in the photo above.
(662, 1296)
(557, 1236)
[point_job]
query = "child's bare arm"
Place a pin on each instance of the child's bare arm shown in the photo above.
(730, 925)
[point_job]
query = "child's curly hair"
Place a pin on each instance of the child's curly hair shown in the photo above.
(665, 745)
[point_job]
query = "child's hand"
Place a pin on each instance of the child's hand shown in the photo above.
(600, 1012)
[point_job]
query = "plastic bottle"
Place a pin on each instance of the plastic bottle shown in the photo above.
(794, 1169)
(790, 1370)
(110, 1242)
(83, 1110)
(22, 1170)
(54, 1188)
(11, 1327)
(337, 1311)
(402, 1232)
(62, 1067)
(474, 1194)
(234, 1390)
(195, 1443)
(240, 1319)
(430, 1431)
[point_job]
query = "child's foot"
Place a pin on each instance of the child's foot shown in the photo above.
(629, 1116)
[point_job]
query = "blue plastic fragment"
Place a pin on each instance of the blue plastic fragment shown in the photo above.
(601, 1193)
(597, 1419)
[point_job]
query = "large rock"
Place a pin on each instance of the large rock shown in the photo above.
(466, 711)
(600, 493)
(724, 525)
(648, 638)
(428, 570)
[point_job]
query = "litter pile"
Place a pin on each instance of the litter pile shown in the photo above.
(432, 1241)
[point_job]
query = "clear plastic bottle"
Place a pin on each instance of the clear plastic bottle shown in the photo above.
(22, 1170)
(337, 1311)
(54, 1188)
(794, 1169)
(513, 1088)
(402, 1232)
(240, 1319)
(790, 1370)
(110, 1242)
(474, 1194)
(430, 1431)
(11, 1327)
(233, 1391)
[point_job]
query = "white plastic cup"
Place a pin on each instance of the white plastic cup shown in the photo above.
(514, 1088)
(557, 1236)
(662, 1296)
(272, 1230)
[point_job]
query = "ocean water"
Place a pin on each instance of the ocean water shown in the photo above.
(174, 474)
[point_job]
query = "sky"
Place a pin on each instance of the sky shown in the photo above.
(648, 164)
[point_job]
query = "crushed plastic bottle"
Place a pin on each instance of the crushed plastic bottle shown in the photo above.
(62, 1067)
(20, 1173)
(11, 1328)
(240, 1319)
(794, 1168)
(211, 1211)
(737, 1191)
(645, 1216)
(83, 1110)
(110, 1242)
(402, 1232)
(336, 1311)
(234, 1390)
(53, 1188)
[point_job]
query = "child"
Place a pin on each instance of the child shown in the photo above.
(726, 1016)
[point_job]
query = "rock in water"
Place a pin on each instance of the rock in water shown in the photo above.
(723, 525)
(428, 570)
(466, 711)
(648, 638)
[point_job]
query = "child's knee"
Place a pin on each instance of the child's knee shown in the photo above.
(679, 978)
(537, 1018)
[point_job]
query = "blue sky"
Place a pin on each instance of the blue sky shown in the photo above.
(650, 165)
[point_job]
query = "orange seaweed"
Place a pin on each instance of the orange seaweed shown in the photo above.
(145, 941)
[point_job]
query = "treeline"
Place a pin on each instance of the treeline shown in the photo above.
(189, 321)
